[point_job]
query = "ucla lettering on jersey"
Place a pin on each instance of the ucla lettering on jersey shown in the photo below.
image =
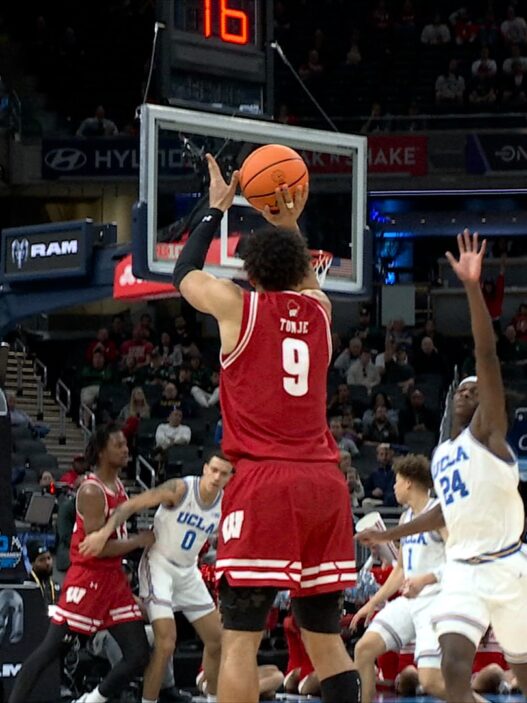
(182, 530)
(479, 497)
(423, 552)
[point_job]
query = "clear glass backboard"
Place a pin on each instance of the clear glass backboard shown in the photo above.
(173, 192)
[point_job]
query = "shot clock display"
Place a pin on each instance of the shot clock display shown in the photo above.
(216, 52)
(231, 21)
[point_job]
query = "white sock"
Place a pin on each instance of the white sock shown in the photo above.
(95, 696)
(148, 700)
(211, 698)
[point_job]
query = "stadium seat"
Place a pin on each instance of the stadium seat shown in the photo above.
(200, 427)
(45, 462)
(359, 397)
(182, 453)
(17, 460)
(146, 433)
(512, 372)
(366, 461)
(153, 392)
(420, 442)
(112, 398)
(29, 447)
(21, 433)
(30, 477)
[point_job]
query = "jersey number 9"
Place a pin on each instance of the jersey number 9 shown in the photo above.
(295, 363)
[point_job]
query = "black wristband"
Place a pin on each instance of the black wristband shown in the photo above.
(194, 252)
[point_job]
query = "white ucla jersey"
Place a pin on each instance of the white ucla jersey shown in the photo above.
(182, 530)
(423, 552)
(479, 497)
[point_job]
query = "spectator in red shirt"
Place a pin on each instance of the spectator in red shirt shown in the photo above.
(493, 292)
(75, 475)
(138, 347)
(103, 343)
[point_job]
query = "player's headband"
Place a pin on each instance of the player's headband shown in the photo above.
(468, 379)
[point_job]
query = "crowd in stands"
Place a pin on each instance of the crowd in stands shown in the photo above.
(402, 58)
(154, 382)
(74, 57)
(380, 62)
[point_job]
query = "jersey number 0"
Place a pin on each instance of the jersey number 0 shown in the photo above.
(295, 362)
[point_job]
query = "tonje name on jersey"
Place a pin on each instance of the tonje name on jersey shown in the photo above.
(294, 326)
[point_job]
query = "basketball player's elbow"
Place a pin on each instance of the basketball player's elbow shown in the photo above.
(180, 273)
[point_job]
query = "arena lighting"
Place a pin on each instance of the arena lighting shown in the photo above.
(449, 191)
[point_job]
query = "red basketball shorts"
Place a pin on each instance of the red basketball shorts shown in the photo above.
(287, 525)
(93, 600)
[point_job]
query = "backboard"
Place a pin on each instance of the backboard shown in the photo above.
(173, 193)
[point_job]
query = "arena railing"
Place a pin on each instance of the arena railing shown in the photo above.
(86, 422)
(140, 464)
(63, 398)
(20, 350)
(41, 377)
(461, 121)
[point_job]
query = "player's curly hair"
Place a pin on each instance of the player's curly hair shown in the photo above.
(276, 259)
(414, 467)
(99, 440)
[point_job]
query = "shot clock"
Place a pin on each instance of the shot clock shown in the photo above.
(216, 52)
(227, 20)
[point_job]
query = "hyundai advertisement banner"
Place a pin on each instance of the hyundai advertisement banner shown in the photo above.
(119, 157)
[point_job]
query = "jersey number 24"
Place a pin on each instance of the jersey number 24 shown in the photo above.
(451, 486)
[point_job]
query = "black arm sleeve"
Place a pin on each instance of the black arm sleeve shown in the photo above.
(194, 252)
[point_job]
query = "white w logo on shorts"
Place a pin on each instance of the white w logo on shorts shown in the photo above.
(75, 594)
(232, 525)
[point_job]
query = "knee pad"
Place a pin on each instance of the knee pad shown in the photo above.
(342, 688)
(245, 608)
(320, 613)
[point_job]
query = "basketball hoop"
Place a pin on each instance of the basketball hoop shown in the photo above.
(321, 262)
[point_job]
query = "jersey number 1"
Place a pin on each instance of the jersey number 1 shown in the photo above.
(295, 362)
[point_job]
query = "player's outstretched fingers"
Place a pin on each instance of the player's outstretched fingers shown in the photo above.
(467, 239)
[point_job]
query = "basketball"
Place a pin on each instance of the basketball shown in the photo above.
(267, 168)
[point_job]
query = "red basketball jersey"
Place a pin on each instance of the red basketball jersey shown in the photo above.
(273, 384)
(112, 500)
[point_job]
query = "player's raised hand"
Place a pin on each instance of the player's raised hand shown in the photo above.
(365, 613)
(468, 267)
(221, 193)
(290, 207)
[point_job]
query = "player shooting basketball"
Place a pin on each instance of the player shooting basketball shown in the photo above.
(476, 478)
(276, 347)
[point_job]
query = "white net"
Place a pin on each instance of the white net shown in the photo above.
(321, 262)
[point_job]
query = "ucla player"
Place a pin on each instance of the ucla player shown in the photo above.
(476, 479)
(169, 578)
(417, 575)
